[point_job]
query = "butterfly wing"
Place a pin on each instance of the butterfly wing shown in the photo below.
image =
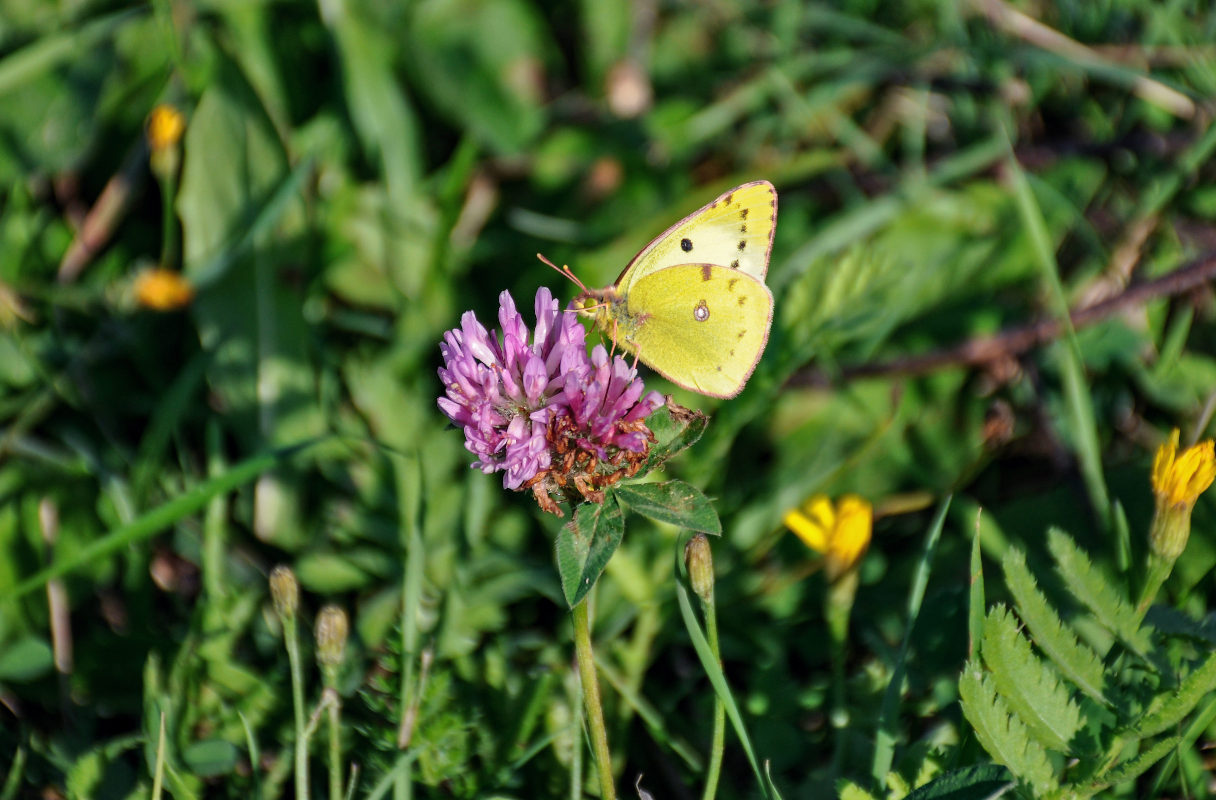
(735, 230)
(702, 326)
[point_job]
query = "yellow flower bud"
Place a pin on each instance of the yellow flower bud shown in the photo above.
(841, 532)
(162, 290)
(165, 127)
(1178, 479)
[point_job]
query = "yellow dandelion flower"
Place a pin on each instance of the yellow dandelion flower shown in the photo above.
(1178, 478)
(841, 531)
(165, 127)
(162, 290)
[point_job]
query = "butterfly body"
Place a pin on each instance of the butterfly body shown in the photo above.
(693, 304)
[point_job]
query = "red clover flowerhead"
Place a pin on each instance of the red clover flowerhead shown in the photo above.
(536, 407)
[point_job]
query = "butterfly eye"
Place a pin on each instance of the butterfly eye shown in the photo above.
(686, 245)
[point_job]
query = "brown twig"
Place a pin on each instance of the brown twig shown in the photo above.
(108, 210)
(993, 349)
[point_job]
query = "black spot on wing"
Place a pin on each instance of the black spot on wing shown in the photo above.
(742, 299)
(742, 245)
(734, 264)
(707, 272)
(743, 228)
(743, 213)
(730, 284)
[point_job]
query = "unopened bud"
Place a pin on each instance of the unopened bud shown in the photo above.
(284, 592)
(332, 629)
(700, 563)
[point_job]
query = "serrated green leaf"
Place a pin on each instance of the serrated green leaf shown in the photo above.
(847, 790)
(1193, 688)
(983, 782)
(1001, 733)
(1094, 589)
(1130, 769)
(585, 544)
(1079, 663)
(1032, 688)
(673, 431)
(674, 502)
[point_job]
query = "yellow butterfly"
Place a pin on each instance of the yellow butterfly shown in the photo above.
(693, 304)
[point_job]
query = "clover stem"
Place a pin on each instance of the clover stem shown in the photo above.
(591, 699)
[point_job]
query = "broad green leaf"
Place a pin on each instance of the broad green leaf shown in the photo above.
(1094, 589)
(1032, 688)
(585, 544)
(983, 782)
(25, 659)
(234, 172)
(674, 502)
(329, 573)
(1078, 662)
(1001, 733)
(211, 757)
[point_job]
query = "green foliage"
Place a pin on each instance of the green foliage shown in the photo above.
(1033, 715)
(355, 175)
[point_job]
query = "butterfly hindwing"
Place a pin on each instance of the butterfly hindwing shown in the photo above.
(702, 326)
(734, 231)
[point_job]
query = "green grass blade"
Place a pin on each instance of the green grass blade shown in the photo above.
(976, 604)
(1001, 733)
(713, 671)
(1031, 688)
(1072, 365)
(1079, 663)
(884, 737)
(161, 517)
(50, 51)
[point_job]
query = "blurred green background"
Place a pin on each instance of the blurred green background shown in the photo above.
(354, 175)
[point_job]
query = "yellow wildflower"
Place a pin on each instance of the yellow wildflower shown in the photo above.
(840, 532)
(165, 127)
(162, 290)
(1178, 480)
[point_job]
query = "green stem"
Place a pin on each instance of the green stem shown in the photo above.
(292, 638)
(1158, 570)
(335, 752)
(591, 699)
(714, 769)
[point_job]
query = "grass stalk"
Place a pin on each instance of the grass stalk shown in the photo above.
(714, 769)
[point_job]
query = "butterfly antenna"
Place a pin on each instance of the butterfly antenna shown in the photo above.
(565, 271)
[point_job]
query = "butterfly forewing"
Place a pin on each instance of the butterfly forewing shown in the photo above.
(734, 231)
(702, 326)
